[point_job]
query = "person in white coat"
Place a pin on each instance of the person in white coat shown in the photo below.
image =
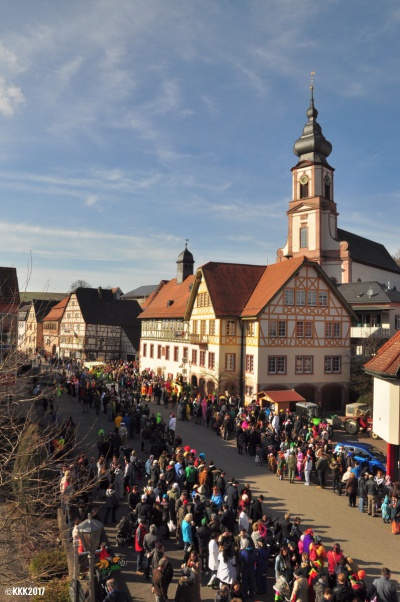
(213, 551)
(243, 521)
(227, 572)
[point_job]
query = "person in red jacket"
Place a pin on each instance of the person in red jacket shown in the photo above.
(334, 558)
(140, 532)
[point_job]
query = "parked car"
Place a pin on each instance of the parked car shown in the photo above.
(367, 455)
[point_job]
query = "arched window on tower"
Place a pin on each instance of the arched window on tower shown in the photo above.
(304, 237)
(304, 190)
(327, 190)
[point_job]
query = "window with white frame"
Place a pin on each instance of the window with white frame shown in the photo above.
(337, 330)
(195, 326)
(312, 298)
(272, 328)
(176, 354)
(211, 327)
(158, 352)
(304, 237)
(281, 328)
(323, 299)
(299, 329)
(211, 360)
(300, 297)
(250, 329)
(194, 357)
(250, 363)
(304, 364)
(333, 364)
(308, 329)
(202, 362)
(230, 327)
(230, 361)
(289, 296)
(167, 352)
(248, 391)
(144, 352)
(277, 364)
(328, 330)
(203, 327)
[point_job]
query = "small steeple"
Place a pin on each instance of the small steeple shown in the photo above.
(185, 263)
(312, 144)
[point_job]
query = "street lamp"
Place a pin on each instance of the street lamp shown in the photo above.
(89, 533)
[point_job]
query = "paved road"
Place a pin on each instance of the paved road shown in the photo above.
(367, 540)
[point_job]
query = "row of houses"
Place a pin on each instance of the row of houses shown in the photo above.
(244, 328)
(88, 323)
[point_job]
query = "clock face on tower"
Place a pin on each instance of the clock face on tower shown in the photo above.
(327, 180)
(304, 179)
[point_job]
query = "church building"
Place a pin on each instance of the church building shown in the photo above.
(313, 218)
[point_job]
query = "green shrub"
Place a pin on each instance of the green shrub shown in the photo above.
(56, 591)
(48, 564)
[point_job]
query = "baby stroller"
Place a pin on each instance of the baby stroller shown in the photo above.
(282, 589)
(125, 532)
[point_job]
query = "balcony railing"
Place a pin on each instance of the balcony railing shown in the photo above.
(363, 332)
(198, 339)
(165, 335)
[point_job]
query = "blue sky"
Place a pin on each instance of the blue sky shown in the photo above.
(128, 126)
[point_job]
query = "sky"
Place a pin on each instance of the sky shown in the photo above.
(129, 126)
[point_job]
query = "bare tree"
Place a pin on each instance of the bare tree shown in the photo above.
(79, 284)
(396, 257)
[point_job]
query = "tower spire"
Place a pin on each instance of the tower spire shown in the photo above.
(312, 144)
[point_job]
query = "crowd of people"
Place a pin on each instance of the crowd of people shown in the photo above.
(220, 525)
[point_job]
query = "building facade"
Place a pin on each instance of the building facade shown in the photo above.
(97, 325)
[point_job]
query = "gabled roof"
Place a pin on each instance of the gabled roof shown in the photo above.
(169, 300)
(230, 285)
(99, 306)
(141, 291)
(42, 307)
(368, 293)
(282, 396)
(363, 250)
(272, 280)
(57, 312)
(9, 290)
(154, 294)
(386, 363)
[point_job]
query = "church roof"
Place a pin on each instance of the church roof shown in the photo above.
(364, 250)
(386, 362)
(140, 292)
(312, 144)
(185, 257)
(368, 294)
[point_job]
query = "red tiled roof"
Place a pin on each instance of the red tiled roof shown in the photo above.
(153, 295)
(170, 301)
(57, 312)
(277, 396)
(387, 360)
(272, 280)
(230, 285)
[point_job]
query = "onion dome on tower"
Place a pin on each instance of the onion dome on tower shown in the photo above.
(312, 144)
(185, 263)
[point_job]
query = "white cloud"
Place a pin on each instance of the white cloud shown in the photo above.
(11, 98)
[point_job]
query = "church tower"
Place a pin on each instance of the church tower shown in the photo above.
(312, 214)
(185, 263)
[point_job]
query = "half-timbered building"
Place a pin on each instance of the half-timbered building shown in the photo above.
(97, 325)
